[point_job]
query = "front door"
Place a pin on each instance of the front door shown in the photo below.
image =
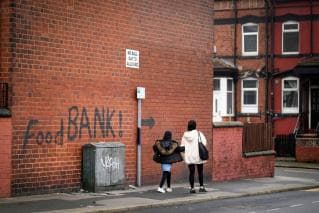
(314, 107)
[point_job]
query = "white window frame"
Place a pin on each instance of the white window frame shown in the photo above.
(222, 92)
(287, 31)
(249, 108)
(244, 53)
(232, 92)
(289, 109)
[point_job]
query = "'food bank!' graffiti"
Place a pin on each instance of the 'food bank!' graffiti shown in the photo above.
(77, 125)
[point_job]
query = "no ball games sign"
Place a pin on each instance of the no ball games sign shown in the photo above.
(132, 58)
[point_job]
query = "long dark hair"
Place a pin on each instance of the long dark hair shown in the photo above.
(191, 125)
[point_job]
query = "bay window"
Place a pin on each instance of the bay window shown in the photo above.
(223, 98)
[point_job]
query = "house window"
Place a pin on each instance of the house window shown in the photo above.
(290, 37)
(290, 95)
(223, 98)
(216, 84)
(249, 96)
(250, 39)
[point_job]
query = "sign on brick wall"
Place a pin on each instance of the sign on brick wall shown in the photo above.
(132, 58)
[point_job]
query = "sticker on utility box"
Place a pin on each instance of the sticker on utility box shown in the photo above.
(132, 58)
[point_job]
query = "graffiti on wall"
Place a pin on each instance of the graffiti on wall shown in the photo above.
(76, 126)
(112, 163)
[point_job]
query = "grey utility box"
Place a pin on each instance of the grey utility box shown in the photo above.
(103, 166)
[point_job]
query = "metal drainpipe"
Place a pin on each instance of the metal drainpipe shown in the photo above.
(235, 53)
(272, 58)
(235, 31)
(266, 60)
(311, 28)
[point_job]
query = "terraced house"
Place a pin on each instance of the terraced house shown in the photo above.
(266, 70)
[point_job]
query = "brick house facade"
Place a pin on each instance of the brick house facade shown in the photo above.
(64, 64)
(268, 49)
(231, 18)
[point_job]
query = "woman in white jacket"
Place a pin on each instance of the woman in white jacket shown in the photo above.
(191, 156)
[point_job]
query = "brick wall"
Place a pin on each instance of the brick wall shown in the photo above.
(224, 33)
(228, 160)
(241, 4)
(307, 154)
(307, 150)
(4, 41)
(70, 85)
(5, 157)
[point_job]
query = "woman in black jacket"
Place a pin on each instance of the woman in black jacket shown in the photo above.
(167, 151)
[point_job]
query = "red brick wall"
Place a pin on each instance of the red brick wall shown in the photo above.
(228, 160)
(224, 34)
(69, 76)
(4, 41)
(5, 157)
(307, 150)
(307, 154)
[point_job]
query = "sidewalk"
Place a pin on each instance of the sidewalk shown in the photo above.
(146, 196)
(289, 162)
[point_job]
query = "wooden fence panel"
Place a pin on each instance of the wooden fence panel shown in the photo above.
(257, 137)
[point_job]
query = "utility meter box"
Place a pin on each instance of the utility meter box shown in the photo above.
(103, 166)
(140, 92)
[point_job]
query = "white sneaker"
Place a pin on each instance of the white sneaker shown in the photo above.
(169, 189)
(161, 190)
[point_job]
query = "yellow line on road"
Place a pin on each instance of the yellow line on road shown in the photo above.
(312, 190)
(298, 171)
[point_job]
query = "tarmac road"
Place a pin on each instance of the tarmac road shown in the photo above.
(303, 201)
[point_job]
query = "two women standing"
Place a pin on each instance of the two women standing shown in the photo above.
(167, 151)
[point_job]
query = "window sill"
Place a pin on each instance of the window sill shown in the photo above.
(290, 113)
(243, 114)
(284, 115)
(250, 56)
(291, 55)
(4, 113)
(223, 124)
(260, 153)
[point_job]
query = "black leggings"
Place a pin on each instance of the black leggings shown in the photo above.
(200, 169)
(166, 176)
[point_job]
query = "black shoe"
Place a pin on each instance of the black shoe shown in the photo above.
(192, 191)
(202, 190)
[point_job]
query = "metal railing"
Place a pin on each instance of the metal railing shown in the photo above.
(297, 126)
(4, 95)
(285, 145)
